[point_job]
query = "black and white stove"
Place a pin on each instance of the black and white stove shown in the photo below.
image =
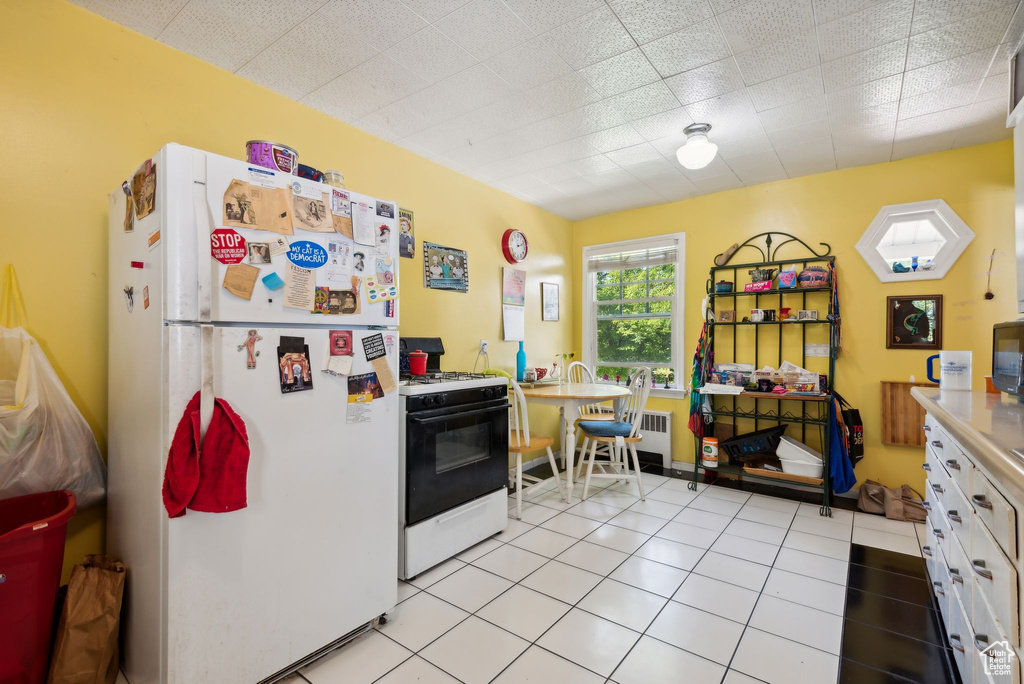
(453, 458)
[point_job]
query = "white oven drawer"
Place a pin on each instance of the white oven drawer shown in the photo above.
(997, 580)
(958, 515)
(991, 646)
(995, 511)
(961, 640)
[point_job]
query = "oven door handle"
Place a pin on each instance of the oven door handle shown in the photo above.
(441, 414)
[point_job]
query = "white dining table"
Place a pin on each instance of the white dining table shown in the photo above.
(569, 397)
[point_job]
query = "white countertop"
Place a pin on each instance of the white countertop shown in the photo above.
(989, 426)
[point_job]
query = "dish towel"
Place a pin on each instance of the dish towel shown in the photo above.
(212, 481)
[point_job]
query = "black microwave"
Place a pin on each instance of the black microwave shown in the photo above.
(1008, 357)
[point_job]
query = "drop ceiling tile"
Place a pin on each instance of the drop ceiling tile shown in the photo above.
(650, 172)
(935, 13)
(620, 73)
(645, 101)
(544, 193)
(668, 145)
(794, 135)
(753, 141)
(764, 21)
(544, 133)
(937, 100)
(720, 183)
(485, 28)
(593, 37)
(648, 20)
(730, 115)
(513, 111)
(563, 94)
(398, 119)
(640, 195)
(688, 48)
(883, 115)
(793, 87)
(542, 15)
(865, 95)
(968, 67)
(682, 192)
(970, 35)
(869, 65)
(529, 65)
(706, 82)
(379, 22)
(861, 155)
(760, 167)
(324, 39)
(574, 186)
(368, 87)
(637, 154)
(615, 138)
(476, 87)
(812, 156)
(1004, 52)
(946, 121)
(554, 174)
(378, 131)
(717, 167)
(876, 25)
(994, 87)
(436, 140)
(660, 125)
(868, 136)
(829, 10)
(670, 185)
(590, 165)
(792, 53)
(147, 18)
(432, 10)
(1015, 31)
(723, 6)
(200, 29)
(434, 103)
(522, 182)
(592, 118)
(478, 125)
(792, 114)
(431, 55)
(912, 146)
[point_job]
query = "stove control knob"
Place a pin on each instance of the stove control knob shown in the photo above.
(442, 399)
(490, 392)
(428, 401)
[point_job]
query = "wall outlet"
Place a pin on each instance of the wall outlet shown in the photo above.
(483, 346)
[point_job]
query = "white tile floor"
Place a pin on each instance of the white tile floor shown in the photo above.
(716, 587)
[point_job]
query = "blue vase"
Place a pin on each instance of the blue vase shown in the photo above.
(520, 363)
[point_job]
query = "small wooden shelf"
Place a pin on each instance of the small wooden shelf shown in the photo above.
(773, 395)
(806, 321)
(783, 291)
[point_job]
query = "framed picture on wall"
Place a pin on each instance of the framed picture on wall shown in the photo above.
(549, 301)
(913, 322)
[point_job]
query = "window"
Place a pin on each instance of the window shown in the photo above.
(633, 308)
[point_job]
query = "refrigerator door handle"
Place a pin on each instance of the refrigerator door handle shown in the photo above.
(206, 387)
(202, 216)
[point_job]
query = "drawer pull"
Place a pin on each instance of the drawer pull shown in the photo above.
(954, 641)
(979, 500)
(979, 567)
(926, 428)
(927, 550)
(926, 467)
(981, 642)
(927, 505)
(952, 515)
(937, 444)
(938, 588)
(954, 575)
(952, 464)
(938, 533)
(937, 488)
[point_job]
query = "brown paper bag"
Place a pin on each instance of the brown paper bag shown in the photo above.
(896, 504)
(85, 651)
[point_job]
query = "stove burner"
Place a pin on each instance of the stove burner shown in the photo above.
(436, 378)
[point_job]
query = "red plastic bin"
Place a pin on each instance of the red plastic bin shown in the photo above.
(32, 530)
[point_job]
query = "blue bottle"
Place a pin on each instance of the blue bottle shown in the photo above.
(520, 363)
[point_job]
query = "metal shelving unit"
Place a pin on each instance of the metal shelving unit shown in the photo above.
(807, 411)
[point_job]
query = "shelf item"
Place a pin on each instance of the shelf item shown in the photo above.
(789, 396)
(787, 477)
(902, 416)
(784, 291)
(806, 321)
(751, 444)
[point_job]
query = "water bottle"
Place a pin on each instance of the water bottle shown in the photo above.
(520, 363)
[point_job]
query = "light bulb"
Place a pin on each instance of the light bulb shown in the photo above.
(697, 152)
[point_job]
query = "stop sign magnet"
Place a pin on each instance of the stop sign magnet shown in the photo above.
(227, 246)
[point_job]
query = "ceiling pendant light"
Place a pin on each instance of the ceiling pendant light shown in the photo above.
(697, 152)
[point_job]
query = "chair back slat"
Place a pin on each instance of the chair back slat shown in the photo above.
(639, 389)
(579, 373)
(519, 418)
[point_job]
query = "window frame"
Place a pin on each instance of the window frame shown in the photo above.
(677, 317)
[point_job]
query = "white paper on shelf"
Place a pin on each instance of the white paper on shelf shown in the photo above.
(817, 350)
(714, 388)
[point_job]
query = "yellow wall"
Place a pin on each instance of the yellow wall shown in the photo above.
(836, 208)
(83, 101)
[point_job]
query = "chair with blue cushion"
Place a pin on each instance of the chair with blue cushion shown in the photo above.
(579, 373)
(620, 436)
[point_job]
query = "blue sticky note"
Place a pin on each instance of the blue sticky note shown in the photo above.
(273, 281)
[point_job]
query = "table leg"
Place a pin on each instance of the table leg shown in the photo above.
(569, 448)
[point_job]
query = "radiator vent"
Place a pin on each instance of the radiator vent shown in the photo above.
(657, 431)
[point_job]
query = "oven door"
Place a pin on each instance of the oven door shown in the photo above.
(454, 455)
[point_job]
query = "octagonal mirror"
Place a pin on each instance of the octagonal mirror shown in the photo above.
(914, 241)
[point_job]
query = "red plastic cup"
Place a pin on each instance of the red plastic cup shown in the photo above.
(418, 362)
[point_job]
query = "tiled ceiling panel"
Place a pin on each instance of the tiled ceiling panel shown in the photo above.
(578, 106)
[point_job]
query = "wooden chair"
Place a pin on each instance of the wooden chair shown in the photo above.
(522, 441)
(620, 435)
(579, 373)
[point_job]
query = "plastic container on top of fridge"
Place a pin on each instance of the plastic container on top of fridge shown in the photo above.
(798, 458)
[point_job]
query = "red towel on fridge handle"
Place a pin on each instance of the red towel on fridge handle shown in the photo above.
(211, 478)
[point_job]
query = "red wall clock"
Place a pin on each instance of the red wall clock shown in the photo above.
(514, 246)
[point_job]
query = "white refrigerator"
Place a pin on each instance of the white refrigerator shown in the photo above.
(247, 595)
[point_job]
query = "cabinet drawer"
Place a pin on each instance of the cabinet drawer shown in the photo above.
(960, 575)
(991, 646)
(995, 511)
(958, 465)
(938, 526)
(961, 640)
(997, 579)
(938, 575)
(958, 515)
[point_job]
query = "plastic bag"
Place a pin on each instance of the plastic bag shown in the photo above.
(45, 443)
